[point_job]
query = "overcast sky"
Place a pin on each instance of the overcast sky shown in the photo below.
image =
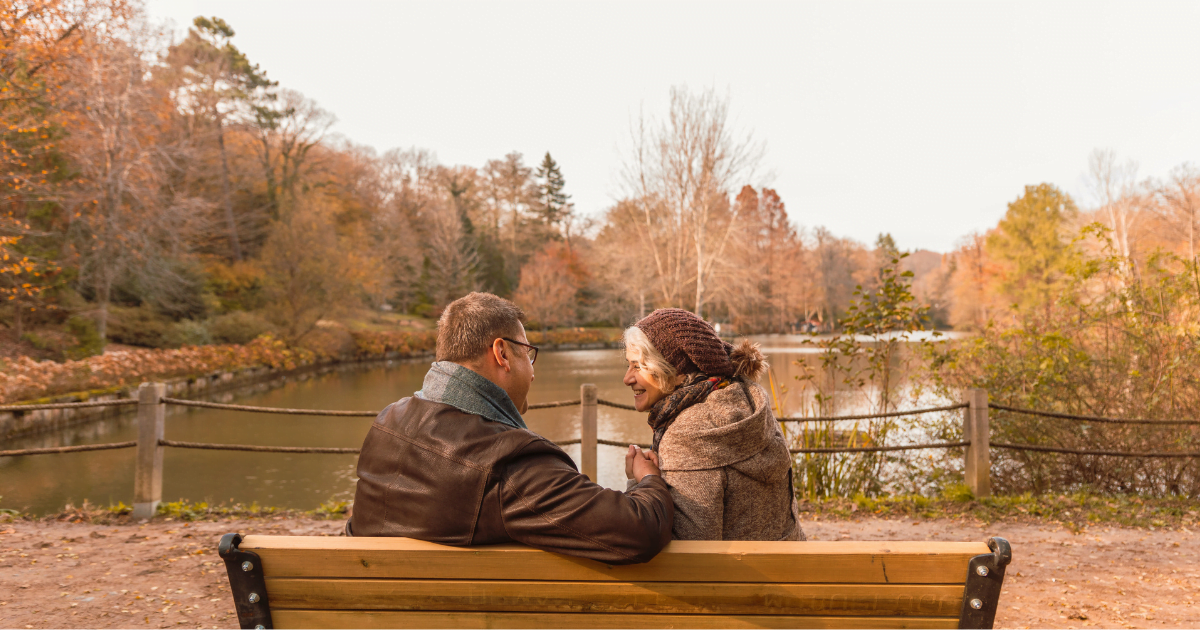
(919, 119)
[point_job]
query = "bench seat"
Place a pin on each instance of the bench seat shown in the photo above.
(319, 582)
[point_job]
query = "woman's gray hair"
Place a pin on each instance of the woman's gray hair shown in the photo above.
(654, 365)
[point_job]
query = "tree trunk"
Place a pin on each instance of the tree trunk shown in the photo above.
(103, 293)
(269, 176)
(233, 235)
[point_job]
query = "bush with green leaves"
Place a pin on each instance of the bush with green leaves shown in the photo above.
(140, 326)
(864, 364)
(238, 327)
(87, 338)
(1116, 341)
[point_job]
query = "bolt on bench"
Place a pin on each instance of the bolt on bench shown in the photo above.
(337, 582)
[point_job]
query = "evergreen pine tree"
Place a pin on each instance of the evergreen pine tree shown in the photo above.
(552, 202)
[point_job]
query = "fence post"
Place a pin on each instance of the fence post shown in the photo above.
(587, 430)
(147, 474)
(978, 469)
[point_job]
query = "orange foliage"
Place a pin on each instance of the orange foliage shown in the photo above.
(24, 378)
(376, 344)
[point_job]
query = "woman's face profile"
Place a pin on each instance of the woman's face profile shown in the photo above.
(645, 391)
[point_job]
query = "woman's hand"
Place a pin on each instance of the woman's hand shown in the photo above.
(639, 463)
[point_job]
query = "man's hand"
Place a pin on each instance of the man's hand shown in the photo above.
(639, 463)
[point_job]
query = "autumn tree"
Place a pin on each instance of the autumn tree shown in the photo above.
(840, 265)
(1030, 245)
(451, 259)
(215, 82)
(289, 127)
(40, 43)
(680, 176)
(548, 287)
(1181, 193)
(759, 281)
(125, 219)
(973, 284)
(308, 268)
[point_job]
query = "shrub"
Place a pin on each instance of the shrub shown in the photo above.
(87, 339)
(237, 286)
(368, 343)
(238, 327)
(1111, 343)
(23, 378)
(189, 332)
(140, 326)
(36, 340)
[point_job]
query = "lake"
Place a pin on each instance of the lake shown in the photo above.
(45, 483)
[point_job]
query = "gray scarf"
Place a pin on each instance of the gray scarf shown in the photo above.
(457, 386)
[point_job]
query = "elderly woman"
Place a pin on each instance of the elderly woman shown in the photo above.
(720, 447)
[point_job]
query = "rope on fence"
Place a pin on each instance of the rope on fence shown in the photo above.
(871, 416)
(1072, 451)
(609, 403)
(881, 449)
(551, 405)
(622, 444)
(264, 449)
(68, 449)
(299, 412)
(75, 405)
(256, 449)
(1068, 416)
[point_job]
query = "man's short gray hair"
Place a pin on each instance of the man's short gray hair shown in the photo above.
(470, 324)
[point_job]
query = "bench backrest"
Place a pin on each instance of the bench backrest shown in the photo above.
(317, 582)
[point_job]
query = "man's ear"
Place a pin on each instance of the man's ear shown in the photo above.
(500, 354)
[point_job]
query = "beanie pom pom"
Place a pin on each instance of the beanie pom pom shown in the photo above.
(748, 361)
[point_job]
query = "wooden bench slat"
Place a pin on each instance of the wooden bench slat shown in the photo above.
(291, 618)
(619, 597)
(692, 561)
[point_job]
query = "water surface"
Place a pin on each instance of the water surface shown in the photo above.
(45, 483)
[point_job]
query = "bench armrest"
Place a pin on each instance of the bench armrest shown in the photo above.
(247, 582)
(985, 578)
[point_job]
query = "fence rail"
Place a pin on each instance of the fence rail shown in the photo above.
(281, 410)
(75, 405)
(152, 402)
(1101, 419)
(881, 449)
(873, 416)
(1075, 451)
(68, 449)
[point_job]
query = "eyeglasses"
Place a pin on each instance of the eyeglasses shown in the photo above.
(533, 350)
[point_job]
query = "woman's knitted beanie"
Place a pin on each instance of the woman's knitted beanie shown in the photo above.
(687, 342)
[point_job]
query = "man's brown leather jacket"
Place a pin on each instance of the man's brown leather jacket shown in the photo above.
(432, 472)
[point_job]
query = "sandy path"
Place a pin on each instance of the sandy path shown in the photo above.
(167, 574)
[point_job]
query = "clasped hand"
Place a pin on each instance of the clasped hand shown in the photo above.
(639, 463)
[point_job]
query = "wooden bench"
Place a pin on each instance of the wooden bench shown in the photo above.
(328, 582)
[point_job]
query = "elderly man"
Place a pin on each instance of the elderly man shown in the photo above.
(455, 463)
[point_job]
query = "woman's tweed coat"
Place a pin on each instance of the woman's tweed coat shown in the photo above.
(729, 469)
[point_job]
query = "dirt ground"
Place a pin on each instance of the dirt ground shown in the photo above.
(166, 573)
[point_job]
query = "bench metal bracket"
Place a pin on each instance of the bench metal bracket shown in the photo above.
(985, 577)
(247, 583)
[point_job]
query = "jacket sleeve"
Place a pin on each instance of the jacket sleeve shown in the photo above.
(546, 503)
(699, 498)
